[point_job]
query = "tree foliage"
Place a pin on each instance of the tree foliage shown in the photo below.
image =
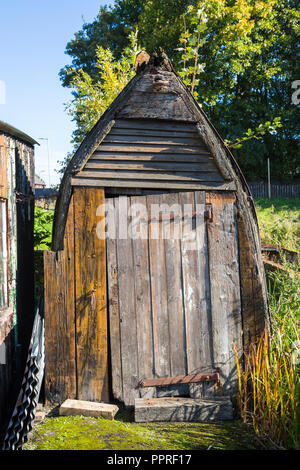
(43, 221)
(237, 56)
(109, 30)
(92, 97)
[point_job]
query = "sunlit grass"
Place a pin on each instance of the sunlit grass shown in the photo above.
(269, 387)
(279, 222)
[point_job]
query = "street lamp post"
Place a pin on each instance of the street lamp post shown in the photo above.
(48, 151)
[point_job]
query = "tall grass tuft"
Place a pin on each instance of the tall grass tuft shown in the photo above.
(269, 386)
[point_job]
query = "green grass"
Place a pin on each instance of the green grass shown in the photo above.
(269, 382)
(279, 222)
(82, 433)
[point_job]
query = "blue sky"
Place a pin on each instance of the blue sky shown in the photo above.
(33, 37)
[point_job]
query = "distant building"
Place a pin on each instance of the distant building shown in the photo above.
(39, 183)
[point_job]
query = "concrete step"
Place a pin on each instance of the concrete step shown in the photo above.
(88, 408)
(183, 409)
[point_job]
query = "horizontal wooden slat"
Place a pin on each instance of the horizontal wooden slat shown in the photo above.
(154, 132)
(174, 175)
(149, 166)
(181, 379)
(133, 183)
(160, 157)
(153, 124)
(153, 140)
(145, 148)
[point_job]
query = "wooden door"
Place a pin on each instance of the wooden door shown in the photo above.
(173, 288)
(76, 339)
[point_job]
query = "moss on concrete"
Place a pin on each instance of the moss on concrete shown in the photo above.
(81, 433)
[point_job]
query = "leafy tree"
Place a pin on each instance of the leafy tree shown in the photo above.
(91, 98)
(43, 220)
(241, 48)
(237, 56)
(110, 30)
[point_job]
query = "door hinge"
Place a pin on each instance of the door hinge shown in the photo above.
(208, 213)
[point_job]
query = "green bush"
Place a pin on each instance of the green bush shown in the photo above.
(43, 221)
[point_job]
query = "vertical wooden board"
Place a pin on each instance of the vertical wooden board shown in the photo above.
(113, 299)
(129, 353)
(91, 311)
(247, 292)
(139, 232)
(204, 340)
(225, 285)
(58, 354)
(161, 337)
(69, 300)
(172, 234)
(191, 288)
(60, 318)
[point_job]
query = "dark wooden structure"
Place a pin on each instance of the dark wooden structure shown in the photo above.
(143, 303)
(16, 259)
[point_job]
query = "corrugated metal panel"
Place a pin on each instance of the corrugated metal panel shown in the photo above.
(147, 153)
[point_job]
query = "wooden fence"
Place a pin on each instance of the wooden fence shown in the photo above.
(289, 190)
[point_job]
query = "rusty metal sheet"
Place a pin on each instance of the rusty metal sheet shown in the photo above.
(181, 379)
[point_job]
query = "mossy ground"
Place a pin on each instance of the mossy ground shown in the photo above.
(81, 433)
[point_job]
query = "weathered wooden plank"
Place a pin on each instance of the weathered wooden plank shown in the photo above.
(160, 318)
(113, 298)
(225, 285)
(91, 312)
(69, 298)
(139, 234)
(88, 408)
(164, 157)
(60, 318)
(146, 148)
(153, 140)
(174, 175)
(247, 293)
(191, 292)
(59, 357)
(227, 186)
(154, 125)
(202, 167)
(172, 233)
(129, 352)
(156, 105)
(183, 409)
(132, 131)
(204, 339)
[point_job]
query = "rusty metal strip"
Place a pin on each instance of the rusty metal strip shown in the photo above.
(181, 379)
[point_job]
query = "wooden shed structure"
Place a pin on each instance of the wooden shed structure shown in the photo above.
(156, 267)
(16, 259)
